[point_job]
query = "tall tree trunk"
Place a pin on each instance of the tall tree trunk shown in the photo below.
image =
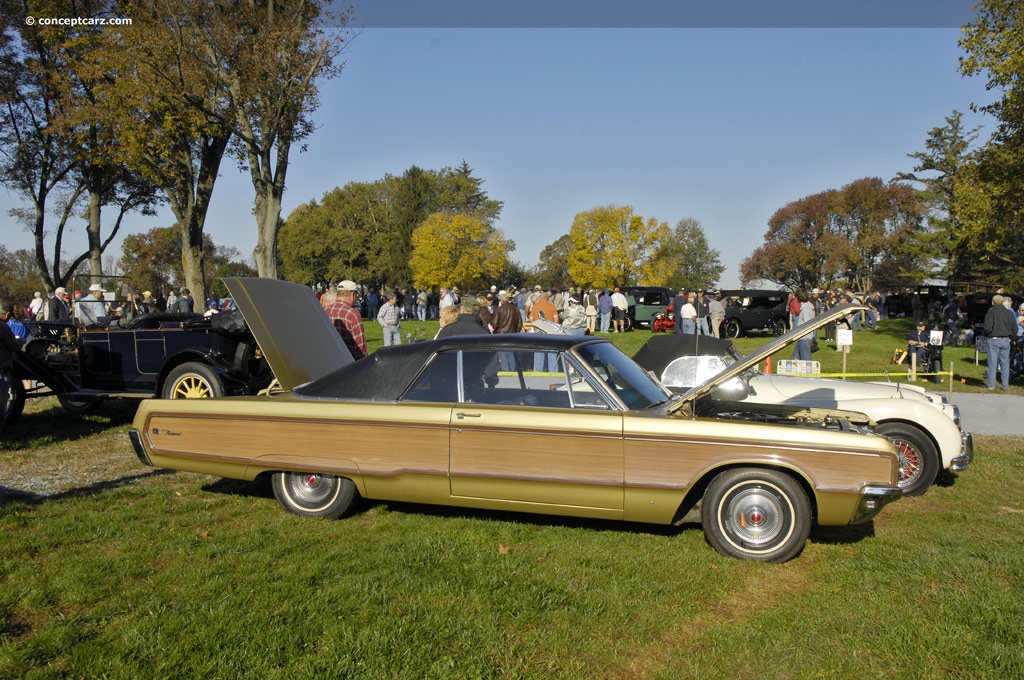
(190, 202)
(269, 186)
(94, 226)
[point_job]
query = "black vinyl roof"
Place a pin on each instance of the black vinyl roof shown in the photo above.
(386, 374)
(661, 350)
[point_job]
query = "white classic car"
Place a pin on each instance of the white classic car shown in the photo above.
(923, 425)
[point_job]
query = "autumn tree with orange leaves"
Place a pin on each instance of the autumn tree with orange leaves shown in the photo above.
(841, 236)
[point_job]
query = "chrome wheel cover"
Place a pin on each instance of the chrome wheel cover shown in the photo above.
(756, 516)
(311, 491)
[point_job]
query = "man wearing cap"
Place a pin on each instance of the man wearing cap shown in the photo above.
(717, 312)
(91, 311)
(56, 308)
(999, 327)
(186, 303)
(347, 319)
(918, 340)
(574, 318)
(147, 305)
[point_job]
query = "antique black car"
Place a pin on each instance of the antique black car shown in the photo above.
(754, 310)
(157, 354)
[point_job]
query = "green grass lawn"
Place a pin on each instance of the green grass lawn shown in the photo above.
(122, 571)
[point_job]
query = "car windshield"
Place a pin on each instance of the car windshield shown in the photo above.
(622, 375)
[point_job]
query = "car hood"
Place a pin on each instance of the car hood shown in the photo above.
(295, 335)
(785, 388)
(760, 354)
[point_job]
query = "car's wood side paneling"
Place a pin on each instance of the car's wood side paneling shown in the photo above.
(588, 463)
(553, 456)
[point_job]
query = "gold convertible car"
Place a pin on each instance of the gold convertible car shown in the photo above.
(467, 421)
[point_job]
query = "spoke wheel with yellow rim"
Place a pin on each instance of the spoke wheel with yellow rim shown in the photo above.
(192, 381)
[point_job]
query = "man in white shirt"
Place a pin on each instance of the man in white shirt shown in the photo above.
(619, 307)
(91, 310)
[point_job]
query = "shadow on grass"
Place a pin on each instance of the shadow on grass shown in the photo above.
(843, 535)
(261, 488)
(55, 425)
(9, 495)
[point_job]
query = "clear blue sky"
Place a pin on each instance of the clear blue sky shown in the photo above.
(722, 125)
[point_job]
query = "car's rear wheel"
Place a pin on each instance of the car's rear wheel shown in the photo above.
(731, 329)
(756, 514)
(192, 381)
(15, 402)
(779, 327)
(313, 494)
(919, 461)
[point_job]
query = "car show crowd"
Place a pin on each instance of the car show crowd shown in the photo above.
(574, 310)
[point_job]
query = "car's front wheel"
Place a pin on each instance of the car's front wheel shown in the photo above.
(779, 327)
(756, 514)
(192, 381)
(731, 329)
(919, 461)
(313, 494)
(78, 406)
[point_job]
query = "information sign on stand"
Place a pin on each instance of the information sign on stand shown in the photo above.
(844, 341)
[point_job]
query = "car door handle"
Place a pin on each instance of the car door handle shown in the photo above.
(460, 416)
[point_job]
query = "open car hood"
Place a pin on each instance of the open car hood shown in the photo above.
(761, 353)
(295, 335)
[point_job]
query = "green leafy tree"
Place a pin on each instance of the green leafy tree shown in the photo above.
(458, 249)
(690, 260)
(363, 231)
(152, 261)
(19, 278)
(947, 150)
(991, 190)
(876, 219)
(612, 246)
(553, 267)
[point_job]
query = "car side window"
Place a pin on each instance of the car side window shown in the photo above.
(581, 391)
(510, 379)
(438, 382)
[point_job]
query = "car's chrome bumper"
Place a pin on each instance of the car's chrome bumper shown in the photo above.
(140, 451)
(872, 500)
(961, 462)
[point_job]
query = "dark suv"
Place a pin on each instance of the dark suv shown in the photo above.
(754, 310)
